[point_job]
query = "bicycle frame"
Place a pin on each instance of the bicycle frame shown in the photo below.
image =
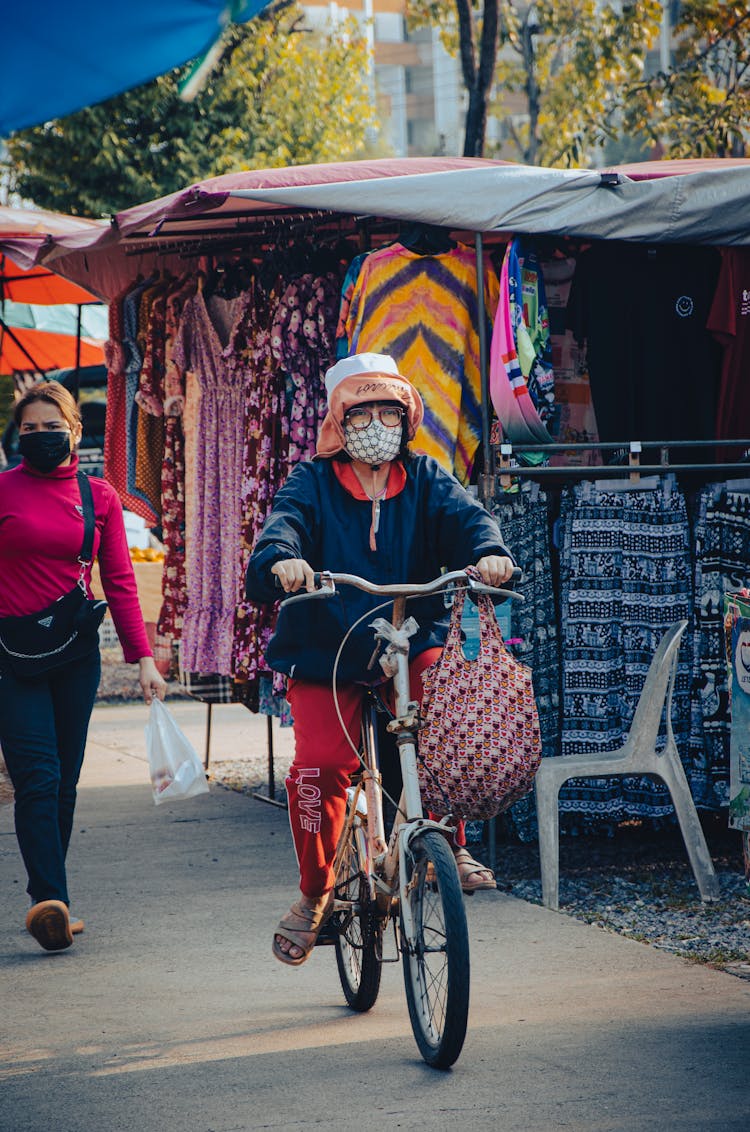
(387, 871)
(413, 879)
(387, 862)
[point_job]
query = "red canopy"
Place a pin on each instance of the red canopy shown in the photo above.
(39, 284)
(38, 350)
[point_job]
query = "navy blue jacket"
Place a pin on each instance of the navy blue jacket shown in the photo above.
(432, 523)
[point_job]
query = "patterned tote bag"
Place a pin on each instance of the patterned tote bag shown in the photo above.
(479, 741)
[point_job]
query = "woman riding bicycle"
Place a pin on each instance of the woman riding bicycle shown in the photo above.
(365, 505)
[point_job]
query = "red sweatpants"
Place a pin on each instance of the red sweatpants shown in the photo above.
(323, 761)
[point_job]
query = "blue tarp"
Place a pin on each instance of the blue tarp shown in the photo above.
(59, 57)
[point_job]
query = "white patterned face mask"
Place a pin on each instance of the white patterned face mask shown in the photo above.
(376, 444)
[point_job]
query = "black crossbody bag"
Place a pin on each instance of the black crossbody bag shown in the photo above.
(66, 630)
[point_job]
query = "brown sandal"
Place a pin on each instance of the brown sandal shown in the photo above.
(474, 876)
(303, 935)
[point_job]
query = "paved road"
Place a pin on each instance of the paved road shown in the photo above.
(170, 1014)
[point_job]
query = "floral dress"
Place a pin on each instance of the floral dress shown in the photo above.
(208, 347)
(303, 342)
(266, 465)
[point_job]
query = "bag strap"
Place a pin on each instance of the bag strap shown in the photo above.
(87, 508)
(453, 638)
(489, 630)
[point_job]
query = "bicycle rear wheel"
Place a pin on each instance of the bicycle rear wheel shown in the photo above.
(436, 958)
(359, 954)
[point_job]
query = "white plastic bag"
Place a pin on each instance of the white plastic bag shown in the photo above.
(175, 769)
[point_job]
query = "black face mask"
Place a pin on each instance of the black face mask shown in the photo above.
(44, 450)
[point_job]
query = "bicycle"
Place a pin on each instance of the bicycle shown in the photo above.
(410, 878)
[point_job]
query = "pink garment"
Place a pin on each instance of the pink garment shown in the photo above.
(509, 392)
(41, 531)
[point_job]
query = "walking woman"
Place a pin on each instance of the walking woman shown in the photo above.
(366, 505)
(44, 718)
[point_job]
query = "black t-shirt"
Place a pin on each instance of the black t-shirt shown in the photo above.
(653, 366)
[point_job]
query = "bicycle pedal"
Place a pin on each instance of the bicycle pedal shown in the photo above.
(327, 936)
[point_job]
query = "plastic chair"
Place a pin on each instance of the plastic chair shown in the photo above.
(637, 756)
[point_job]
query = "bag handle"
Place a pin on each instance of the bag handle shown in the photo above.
(453, 639)
(89, 518)
(489, 630)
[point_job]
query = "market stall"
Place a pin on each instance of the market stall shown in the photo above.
(254, 282)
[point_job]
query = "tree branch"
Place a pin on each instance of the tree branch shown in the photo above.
(466, 41)
(488, 45)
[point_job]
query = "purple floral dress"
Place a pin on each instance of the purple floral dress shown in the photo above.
(210, 344)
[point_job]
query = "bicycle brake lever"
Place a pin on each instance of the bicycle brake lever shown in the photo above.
(494, 591)
(326, 589)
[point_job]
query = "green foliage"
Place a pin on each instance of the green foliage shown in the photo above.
(572, 67)
(700, 106)
(278, 96)
(561, 69)
(570, 76)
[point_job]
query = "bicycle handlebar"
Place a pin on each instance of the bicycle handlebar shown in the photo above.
(326, 581)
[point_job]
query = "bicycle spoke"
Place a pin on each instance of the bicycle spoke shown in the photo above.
(358, 931)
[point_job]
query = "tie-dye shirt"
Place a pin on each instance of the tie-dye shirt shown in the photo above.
(422, 310)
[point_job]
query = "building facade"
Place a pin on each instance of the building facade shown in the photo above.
(415, 82)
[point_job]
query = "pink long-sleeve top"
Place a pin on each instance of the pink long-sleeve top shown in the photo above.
(41, 532)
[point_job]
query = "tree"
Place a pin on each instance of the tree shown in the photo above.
(566, 62)
(471, 32)
(700, 105)
(478, 69)
(572, 61)
(278, 96)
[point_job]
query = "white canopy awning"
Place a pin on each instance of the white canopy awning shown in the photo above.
(709, 206)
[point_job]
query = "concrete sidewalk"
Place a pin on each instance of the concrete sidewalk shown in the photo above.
(170, 1013)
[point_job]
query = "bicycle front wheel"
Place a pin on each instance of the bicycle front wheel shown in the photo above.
(359, 933)
(436, 956)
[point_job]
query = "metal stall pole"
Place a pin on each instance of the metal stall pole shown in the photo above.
(208, 735)
(270, 797)
(76, 390)
(486, 483)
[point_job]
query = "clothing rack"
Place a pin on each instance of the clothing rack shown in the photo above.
(635, 468)
(270, 796)
(171, 235)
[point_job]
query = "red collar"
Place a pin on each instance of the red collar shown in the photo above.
(347, 477)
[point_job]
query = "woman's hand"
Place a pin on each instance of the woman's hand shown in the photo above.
(294, 573)
(151, 680)
(495, 569)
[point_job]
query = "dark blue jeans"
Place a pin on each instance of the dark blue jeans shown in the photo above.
(43, 726)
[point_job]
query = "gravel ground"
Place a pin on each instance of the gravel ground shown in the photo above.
(119, 682)
(637, 883)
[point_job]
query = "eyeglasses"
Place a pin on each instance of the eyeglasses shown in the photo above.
(361, 416)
